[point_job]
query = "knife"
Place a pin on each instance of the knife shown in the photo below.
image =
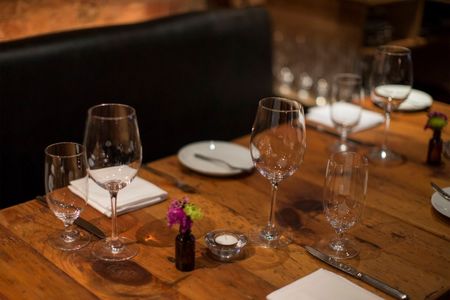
(178, 183)
(355, 273)
(86, 225)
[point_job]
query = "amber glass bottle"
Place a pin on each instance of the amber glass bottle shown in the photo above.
(185, 251)
(435, 148)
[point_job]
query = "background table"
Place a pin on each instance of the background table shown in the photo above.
(404, 241)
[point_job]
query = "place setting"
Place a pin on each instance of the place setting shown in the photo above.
(345, 113)
(94, 173)
(344, 196)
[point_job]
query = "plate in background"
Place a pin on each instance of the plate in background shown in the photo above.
(440, 204)
(417, 100)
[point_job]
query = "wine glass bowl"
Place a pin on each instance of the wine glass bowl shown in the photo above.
(345, 109)
(277, 145)
(390, 84)
(344, 196)
(114, 156)
(64, 163)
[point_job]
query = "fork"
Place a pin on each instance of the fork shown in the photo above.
(177, 182)
(214, 159)
(441, 192)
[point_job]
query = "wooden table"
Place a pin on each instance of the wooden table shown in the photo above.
(404, 241)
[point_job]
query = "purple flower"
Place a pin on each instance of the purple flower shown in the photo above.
(437, 114)
(177, 215)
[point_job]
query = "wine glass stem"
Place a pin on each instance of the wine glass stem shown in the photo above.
(69, 235)
(338, 243)
(387, 124)
(114, 235)
(271, 223)
(343, 136)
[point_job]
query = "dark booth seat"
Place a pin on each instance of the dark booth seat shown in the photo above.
(190, 77)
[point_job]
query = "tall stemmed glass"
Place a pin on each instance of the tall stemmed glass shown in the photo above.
(345, 109)
(343, 198)
(277, 144)
(114, 154)
(390, 84)
(65, 163)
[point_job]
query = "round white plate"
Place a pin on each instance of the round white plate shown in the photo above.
(234, 154)
(440, 204)
(417, 100)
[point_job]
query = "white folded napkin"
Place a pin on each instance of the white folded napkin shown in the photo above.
(139, 193)
(322, 285)
(322, 115)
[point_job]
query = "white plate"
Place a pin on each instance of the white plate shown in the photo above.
(417, 100)
(234, 154)
(440, 204)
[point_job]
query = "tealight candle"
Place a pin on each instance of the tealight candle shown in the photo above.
(225, 245)
(226, 239)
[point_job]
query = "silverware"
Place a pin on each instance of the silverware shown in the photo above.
(355, 273)
(178, 183)
(214, 159)
(323, 129)
(86, 225)
(441, 192)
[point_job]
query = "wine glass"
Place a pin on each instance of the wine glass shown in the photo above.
(65, 163)
(345, 109)
(277, 145)
(343, 198)
(114, 155)
(390, 84)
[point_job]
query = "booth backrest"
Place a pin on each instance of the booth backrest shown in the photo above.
(190, 77)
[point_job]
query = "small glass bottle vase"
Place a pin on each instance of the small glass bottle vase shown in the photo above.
(435, 149)
(185, 251)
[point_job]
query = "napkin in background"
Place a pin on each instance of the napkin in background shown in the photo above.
(322, 115)
(139, 193)
(322, 285)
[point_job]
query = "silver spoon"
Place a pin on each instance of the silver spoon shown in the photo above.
(441, 192)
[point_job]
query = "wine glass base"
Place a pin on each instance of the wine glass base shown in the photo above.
(105, 249)
(383, 156)
(270, 239)
(56, 240)
(339, 249)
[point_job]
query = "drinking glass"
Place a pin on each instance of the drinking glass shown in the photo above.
(65, 163)
(390, 84)
(343, 198)
(277, 145)
(114, 155)
(345, 109)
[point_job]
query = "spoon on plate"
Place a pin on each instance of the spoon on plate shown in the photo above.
(441, 192)
(215, 159)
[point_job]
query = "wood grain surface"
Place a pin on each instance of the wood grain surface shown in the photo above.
(403, 240)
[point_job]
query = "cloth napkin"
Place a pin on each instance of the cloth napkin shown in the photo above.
(322, 115)
(139, 193)
(322, 285)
